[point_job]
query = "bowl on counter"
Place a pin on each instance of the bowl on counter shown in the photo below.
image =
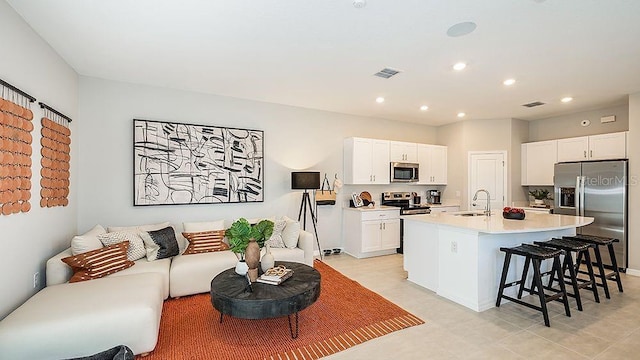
(513, 216)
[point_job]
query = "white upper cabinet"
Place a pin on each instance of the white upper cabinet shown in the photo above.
(433, 164)
(608, 146)
(573, 149)
(595, 147)
(538, 159)
(403, 152)
(366, 161)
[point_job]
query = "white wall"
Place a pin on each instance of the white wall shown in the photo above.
(295, 139)
(633, 142)
(28, 239)
(566, 126)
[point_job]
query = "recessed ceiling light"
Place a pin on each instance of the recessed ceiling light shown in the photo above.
(359, 4)
(459, 66)
(509, 82)
(461, 29)
(379, 99)
(566, 99)
(461, 114)
(424, 108)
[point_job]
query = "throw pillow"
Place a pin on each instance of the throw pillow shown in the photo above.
(99, 263)
(203, 226)
(205, 241)
(291, 233)
(160, 244)
(276, 241)
(136, 245)
(87, 241)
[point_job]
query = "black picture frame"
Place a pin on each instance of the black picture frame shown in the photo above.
(181, 164)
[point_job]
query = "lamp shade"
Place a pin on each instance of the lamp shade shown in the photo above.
(303, 180)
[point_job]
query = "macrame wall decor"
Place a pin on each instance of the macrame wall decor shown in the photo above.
(56, 141)
(15, 149)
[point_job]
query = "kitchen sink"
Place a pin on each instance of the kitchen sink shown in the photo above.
(468, 213)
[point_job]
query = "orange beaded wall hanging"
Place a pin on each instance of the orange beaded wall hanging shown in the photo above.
(55, 161)
(15, 149)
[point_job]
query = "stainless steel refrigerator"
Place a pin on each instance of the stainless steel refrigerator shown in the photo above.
(596, 189)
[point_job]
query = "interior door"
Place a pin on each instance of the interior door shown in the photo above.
(487, 171)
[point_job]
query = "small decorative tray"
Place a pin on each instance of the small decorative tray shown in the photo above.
(513, 216)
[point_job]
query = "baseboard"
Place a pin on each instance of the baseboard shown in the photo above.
(633, 272)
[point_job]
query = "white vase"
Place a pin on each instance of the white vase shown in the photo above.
(267, 260)
(539, 201)
(241, 268)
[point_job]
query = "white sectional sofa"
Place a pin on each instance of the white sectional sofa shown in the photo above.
(67, 320)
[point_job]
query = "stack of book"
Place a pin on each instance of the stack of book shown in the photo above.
(275, 279)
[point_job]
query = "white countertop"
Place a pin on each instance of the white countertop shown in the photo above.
(495, 224)
(373, 208)
(440, 205)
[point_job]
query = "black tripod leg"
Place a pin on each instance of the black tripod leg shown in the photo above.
(315, 228)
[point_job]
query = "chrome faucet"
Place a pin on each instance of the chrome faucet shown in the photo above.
(487, 210)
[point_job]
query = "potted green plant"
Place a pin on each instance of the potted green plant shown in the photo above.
(539, 195)
(242, 232)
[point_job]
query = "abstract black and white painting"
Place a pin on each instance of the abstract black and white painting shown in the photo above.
(177, 163)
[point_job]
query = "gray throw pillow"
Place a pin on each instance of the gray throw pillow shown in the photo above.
(160, 244)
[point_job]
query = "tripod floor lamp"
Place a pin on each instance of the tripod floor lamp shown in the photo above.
(307, 180)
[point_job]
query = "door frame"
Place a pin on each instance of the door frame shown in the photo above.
(504, 180)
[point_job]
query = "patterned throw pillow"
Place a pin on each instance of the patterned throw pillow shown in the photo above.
(276, 241)
(160, 244)
(136, 245)
(205, 241)
(99, 263)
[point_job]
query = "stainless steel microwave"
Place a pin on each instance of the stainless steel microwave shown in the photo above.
(404, 172)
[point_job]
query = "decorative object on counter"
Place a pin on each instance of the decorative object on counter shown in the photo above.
(366, 199)
(325, 196)
(241, 267)
(244, 239)
(208, 164)
(267, 260)
(540, 195)
(356, 200)
(307, 180)
(513, 213)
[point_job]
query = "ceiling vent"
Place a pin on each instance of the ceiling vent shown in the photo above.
(387, 73)
(533, 104)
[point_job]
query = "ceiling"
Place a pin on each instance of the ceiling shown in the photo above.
(323, 54)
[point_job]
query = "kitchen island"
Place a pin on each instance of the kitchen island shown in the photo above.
(458, 255)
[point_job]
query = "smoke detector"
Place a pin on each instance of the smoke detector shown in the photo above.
(359, 4)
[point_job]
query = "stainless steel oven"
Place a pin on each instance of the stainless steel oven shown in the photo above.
(404, 172)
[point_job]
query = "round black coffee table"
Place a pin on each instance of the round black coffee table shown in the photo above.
(231, 295)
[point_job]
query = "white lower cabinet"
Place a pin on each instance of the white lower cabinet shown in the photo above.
(371, 232)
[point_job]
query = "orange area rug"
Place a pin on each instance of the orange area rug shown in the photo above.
(345, 315)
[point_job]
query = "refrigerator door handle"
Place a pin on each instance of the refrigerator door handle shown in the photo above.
(577, 196)
(583, 180)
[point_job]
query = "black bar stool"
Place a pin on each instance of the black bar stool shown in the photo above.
(534, 254)
(581, 248)
(598, 241)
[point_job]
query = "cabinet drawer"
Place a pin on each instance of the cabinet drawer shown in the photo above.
(380, 215)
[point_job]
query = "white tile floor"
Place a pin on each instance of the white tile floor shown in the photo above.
(609, 330)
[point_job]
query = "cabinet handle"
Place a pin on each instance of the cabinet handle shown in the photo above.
(384, 226)
(374, 178)
(585, 154)
(380, 226)
(590, 153)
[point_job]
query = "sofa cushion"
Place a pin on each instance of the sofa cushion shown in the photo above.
(99, 263)
(203, 226)
(139, 228)
(192, 274)
(143, 266)
(79, 319)
(160, 244)
(291, 233)
(136, 245)
(87, 241)
(204, 241)
(294, 255)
